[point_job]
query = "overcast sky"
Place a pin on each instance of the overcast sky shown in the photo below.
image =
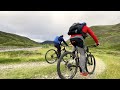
(45, 25)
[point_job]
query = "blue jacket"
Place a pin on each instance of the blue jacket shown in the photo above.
(58, 40)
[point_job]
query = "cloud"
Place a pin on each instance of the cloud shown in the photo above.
(45, 25)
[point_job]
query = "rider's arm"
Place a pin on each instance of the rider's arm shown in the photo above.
(91, 33)
(64, 42)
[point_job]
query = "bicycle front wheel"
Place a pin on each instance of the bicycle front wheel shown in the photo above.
(90, 64)
(51, 56)
(67, 66)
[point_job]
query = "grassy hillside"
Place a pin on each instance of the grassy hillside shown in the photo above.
(108, 36)
(8, 39)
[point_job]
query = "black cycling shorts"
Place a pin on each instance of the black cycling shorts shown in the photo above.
(77, 42)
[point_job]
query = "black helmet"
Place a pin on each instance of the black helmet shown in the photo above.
(61, 35)
(84, 23)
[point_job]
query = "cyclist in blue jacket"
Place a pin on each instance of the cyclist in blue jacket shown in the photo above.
(57, 42)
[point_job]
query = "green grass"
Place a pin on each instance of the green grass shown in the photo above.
(112, 61)
(22, 56)
(28, 73)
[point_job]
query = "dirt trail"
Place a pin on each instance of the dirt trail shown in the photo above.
(19, 49)
(100, 67)
(23, 65)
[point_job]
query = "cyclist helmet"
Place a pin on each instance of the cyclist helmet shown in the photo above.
(61, 35)
(84, 23)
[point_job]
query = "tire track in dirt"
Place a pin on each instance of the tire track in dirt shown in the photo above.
(100, 67)
(23, 65)
(20, 49)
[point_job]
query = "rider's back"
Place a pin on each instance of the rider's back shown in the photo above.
(85, 30)
(58, 39)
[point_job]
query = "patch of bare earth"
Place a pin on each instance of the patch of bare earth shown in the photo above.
(23, 65)
(100, 67)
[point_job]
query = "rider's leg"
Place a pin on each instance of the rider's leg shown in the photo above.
(73, 42)
(79, 43)
(73, 51)
(80, 47)
(58, 49)
(82, 58)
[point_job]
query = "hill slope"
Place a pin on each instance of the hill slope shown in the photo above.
(8, 39)
(108, 36)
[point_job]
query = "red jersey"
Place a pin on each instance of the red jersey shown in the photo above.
(89, 31)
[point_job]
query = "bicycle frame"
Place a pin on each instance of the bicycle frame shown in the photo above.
(87, 48)
(87, 52)
(75, 56)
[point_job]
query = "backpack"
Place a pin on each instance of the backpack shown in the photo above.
(76, 28)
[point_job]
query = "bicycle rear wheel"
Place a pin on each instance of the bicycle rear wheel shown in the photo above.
(67, 66)
(90, 64)
(51, 56)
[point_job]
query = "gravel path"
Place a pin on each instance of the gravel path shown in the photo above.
(100, 67)
(19, 49)
(23, 65)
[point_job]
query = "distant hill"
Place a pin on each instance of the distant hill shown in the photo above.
(9, 39)
(47, 42)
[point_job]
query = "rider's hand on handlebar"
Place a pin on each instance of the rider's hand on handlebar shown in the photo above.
(97, 44)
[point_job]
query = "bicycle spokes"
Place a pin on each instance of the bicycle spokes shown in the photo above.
(51, 56)
(90, 61)
(90, 64)
(67, 66)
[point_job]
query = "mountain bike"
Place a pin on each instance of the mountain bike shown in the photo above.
(68, 68)
(51, 55)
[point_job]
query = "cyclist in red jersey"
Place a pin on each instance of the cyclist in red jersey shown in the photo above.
(77, 39)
